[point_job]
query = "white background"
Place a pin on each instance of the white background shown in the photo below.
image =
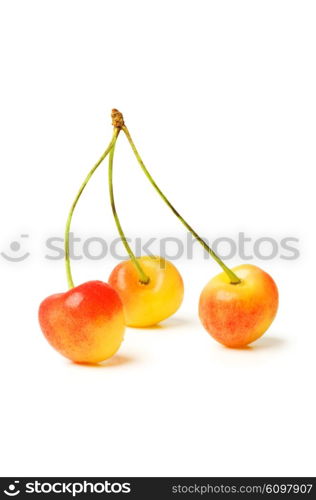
(220, 99)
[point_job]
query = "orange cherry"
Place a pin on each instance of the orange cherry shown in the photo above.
(235, 308)
(237, 314)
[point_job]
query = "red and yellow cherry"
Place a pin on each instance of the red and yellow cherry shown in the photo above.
(85, 324)
(235, 309)
(147, 304)
(238, 314)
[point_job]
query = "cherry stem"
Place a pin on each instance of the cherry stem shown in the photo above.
(231, 275)
(73, 206)
(144, 279)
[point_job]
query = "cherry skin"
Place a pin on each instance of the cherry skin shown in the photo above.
(238, 314)
(85, 324)
(147, 304)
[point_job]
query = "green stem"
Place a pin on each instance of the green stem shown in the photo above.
(232, 276)
(73, 206)
(144, 279)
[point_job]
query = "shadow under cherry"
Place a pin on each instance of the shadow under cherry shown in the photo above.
(116, 360)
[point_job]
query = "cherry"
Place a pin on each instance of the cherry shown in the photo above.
(237, 314)
(151, 288)
(237, 306)
(148, 304)
(86, 323)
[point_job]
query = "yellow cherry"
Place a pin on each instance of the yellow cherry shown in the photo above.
(146, 305)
